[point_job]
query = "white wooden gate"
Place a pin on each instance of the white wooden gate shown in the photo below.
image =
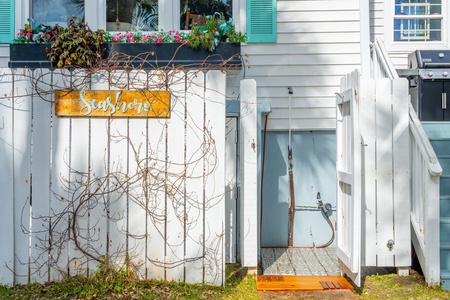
(348, 165)
(147, 193)
(373, 174)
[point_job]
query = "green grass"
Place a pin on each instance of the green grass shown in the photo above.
(391, 286)
(120, 285)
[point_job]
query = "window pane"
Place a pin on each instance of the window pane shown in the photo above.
(204, 8)
(418, 20)
(61, 11)
(417, 7)
(122, 15)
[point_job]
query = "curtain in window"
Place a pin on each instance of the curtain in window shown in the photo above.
(50, 12)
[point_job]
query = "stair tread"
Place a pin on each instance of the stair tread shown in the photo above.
(445, 245)
(445, 273)
(444, 197)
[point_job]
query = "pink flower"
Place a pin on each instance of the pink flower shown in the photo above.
(115, 39)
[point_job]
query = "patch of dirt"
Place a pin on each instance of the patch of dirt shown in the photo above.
(319, 295)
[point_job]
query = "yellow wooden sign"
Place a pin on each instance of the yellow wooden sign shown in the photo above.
(107, 103)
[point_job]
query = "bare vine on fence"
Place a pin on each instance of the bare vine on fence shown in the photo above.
(86, 205)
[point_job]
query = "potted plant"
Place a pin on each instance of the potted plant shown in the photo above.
(54, 46)
(77, 45)
(214, 45)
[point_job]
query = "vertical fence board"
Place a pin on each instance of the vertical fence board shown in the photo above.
(156, 209)
(40, 169)
(194, 176)
(368, 135)
(22, 171)
(118, 165)
(215, 177)
(99, 168)
(6, 179)
(384, 171)
(61, 128)
(175, 180)
(81, 178)
(137, 161)
(401, 208)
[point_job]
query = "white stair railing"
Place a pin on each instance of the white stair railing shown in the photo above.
(425, 173)
(381, 65)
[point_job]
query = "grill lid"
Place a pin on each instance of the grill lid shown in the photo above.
(426, 59)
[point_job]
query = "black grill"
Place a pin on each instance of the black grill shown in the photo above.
(430, 84)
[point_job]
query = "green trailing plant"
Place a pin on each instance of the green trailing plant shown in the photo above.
(77, 45)
(215, 31)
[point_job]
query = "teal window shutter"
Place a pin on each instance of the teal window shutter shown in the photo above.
(262, 21)
(6, 21)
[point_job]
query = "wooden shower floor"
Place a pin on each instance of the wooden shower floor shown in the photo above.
(300, 269)
(301, 283)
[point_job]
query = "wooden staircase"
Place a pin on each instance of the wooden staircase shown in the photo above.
(439, 135)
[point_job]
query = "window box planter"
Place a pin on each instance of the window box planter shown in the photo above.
(28, 56)
(142, 55)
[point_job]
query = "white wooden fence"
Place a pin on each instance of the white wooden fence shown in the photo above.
(373, 174)
(425, 173)
(145, 193)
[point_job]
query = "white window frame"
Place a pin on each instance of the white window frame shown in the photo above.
(400, 46)
(95, 14)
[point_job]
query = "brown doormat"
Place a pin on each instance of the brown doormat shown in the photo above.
(301, 283)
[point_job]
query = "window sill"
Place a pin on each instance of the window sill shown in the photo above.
(139, 56)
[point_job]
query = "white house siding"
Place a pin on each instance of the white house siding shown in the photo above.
(4, 55)
(317, 43)
(376, 19)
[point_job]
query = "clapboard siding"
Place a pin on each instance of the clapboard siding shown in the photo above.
(306, 94)
(317, 27)
(311, 49)
(4, 55)
(302, 61)
(328, 36)
(287, 70)
(319, 5)
(317, 43)
(377, 19)
(315, 16)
